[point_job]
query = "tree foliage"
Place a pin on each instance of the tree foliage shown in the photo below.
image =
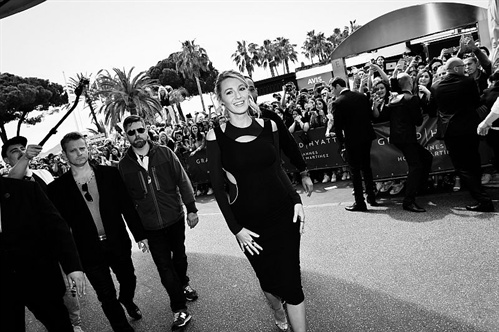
(20, 96)
(124, 94)
(165, 71)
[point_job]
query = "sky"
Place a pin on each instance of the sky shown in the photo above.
(60, 38)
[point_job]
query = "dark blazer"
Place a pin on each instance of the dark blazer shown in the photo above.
(352, 118)
(113, 202)
(456, 99)
(405, 115)
(34, 238)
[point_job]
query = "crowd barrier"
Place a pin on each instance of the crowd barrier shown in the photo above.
(387, 162)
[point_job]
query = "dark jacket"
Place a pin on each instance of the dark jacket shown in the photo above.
(113, 203)
(352, 118)
(156, 191)
(405, 116)
(35, 238)
(456, 99)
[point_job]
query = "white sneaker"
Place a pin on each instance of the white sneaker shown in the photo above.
(333, 177)
(209, 192)
(344, 176)
(198, 193)
(326, 178)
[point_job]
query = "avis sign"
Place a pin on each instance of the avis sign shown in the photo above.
(309, 81)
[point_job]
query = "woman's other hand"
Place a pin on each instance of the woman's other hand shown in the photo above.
(246, 241)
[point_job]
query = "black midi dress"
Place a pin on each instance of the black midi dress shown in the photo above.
(262, 201)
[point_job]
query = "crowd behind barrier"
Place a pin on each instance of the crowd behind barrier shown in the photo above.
(308, 116)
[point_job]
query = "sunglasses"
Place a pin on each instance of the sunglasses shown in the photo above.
(131, 132)
(87, 195)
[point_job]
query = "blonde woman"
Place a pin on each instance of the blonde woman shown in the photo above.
(262, 209)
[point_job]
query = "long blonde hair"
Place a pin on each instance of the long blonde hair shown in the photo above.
(253, 110)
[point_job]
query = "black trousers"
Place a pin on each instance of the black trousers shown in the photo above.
(419, 162)
(493, 141)
(463, 152)
(40, 289)
(168, 252)
(359, 160)
(100, 277)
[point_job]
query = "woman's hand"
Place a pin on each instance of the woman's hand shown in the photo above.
(299, 215)
(246, 241)
(424, 90)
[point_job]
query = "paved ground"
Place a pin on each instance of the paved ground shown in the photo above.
(384, 270)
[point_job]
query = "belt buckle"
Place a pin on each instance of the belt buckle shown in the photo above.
(102, 237)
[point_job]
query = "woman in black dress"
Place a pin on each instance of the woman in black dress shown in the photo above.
(262, 209)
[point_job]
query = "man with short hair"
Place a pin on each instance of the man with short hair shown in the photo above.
(95, 204)
(405, 115)
(158, 184)
(355, 133)
(456, 99)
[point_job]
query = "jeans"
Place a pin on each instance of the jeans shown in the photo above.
(168, 252)
(71, 302)
(99, 276)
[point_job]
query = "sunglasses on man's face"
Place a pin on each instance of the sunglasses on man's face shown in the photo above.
(131, 132)
(87, 195)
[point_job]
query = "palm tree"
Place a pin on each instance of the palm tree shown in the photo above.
(267, 57)
(246, 57)
(309, 46)
(286, 51)
(123, 94)
(191, 61)
(89, 92)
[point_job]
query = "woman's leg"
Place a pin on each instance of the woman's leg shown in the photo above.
(297, 318)
(276, 305)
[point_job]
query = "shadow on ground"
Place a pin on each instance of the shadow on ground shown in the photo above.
(230, 300)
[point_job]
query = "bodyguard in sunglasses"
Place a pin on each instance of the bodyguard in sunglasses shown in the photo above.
(159, 186)
(92, 199)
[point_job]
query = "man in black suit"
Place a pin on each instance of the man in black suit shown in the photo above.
(34, 239)
(456, 98)
(355, 133)
(93, 200)
(405, 115)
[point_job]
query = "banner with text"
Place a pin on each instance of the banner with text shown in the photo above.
(386, 160)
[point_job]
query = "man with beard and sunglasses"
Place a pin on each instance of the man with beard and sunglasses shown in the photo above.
(158, 184)
(94, 202)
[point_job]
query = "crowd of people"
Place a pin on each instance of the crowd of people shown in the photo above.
(139, 180)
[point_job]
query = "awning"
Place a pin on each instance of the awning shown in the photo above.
(407, 24)
(11, 7)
